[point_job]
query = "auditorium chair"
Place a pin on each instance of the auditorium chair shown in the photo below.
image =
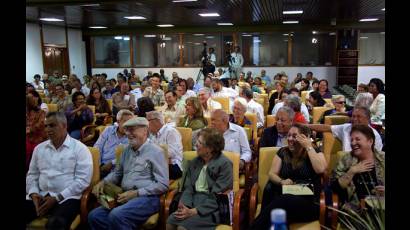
(52, 107)
(303, 96)
(270, 120)
(238, 193)
(224, 101)
(317, 113)
(82, 217)
(186, 136)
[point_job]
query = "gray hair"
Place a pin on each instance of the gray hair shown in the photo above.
(242, 101)
(205, 90)
(248, 93)
(156, 115)
(289, 111)
(365, 109)
(364, 99)
(293, 102)
(123, 112)
(60, 117)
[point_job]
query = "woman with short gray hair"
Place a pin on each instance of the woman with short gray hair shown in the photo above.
(295, 103)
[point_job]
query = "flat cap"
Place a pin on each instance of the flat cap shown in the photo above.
(136, 121)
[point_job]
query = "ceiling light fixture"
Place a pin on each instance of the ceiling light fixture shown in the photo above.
(314, 40)
(165, 25)
(314, 32)
(209, 15)
(135, 17)
(126, 38)
(51, 19)
(332, 33)
(293, 12)
(384, 9)
(224, 24)
(167, 39)
(285, 34)
(210, 37)
(91, 5)
(382, 32)
(364, 37)
(290, 22)
(97, 27)
(184, 1)
(369, 19)
(118, 37)
(150, 36)
(247, 35)
(199, 34)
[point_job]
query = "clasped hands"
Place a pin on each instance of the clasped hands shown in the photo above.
(43, 204)
(183, 212)
(124, 197)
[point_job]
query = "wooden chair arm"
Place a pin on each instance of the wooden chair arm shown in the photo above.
(87, 201)
(168, 200)
(322, 215)
(237, 209)
(85, 138)
(108, 120)
(253, 201)
(335, 206)
(162, 220)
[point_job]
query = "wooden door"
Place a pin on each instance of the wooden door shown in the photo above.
(56, 58)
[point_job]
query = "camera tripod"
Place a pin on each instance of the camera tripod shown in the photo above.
(198, 76)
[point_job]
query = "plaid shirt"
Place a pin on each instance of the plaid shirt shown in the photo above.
(157, 96)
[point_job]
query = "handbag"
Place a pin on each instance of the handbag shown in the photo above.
(225, 205)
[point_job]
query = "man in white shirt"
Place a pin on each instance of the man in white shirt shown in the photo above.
(161, 134)
(79, 87)
(236, 62)
(221, 91)
(60, 170)
(253, 106)
(360, 116)
(38, 85)
(207, 104)
(234, 135)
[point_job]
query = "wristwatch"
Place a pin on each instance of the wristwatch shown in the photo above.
(310, 148)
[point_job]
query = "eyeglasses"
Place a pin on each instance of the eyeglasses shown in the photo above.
(339, 102)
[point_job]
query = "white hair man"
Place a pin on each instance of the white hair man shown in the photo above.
(166, 134)
(207, 104)
(108, 141)
(253, 106)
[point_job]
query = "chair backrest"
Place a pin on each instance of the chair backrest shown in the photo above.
(134, 87)
(318, 112)
(101, 128)
(92, 107)
(270, 120)
(52, 107)
(186, 135)
(266, 155)
(109, 101)
(329, 102)
(254, 119)
(248, 132)
(95, 153)
(224, 103)
(303, 96)
(265, 103)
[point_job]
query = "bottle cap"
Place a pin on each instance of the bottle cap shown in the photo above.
(278, 216)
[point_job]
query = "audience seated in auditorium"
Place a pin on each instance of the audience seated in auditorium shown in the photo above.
(29, 88)
(62, 100)
(173, 83)
(66, 84)
(142, 175)
(208, 82)
(362, 100)
(234, 135)
(221, 91)
(144, 105)
(78, 87)
(361, 172)
(154, 92)
(275, 136)
(257, 86)
(102, 108)
(120, 80)
(194, 117)
(339, 102)
(315, 100)
(297, 82)
(253, 107)
(198, 206)
(297, 163)
(304, 85)
(166, 134)
(360, 116)
(276, 96)
(38, 85)
(280, 102)
(109, 90)
(207, 104)
(36, 96)
(362, 88)
(35, 130)
(78, 115)
(234, 85)
(294, 102)
(238, 117)
(109, 140)
(265, 79)
(185, 91)
(170, 110)
(54, 185)
(377, 109)
(44, 78)
(191, 85)
(149, 75)
(123, 100)
(323, 89)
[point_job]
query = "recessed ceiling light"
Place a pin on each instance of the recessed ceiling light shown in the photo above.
(51, 19)
(209, 37)
(184, 0)
(384, 9)
(314, 32)
(290, 22)
(224, 24)
(247, 35)
(332, 33)
(118, 37)
(167, 39)
(197, 43)
(364, 37)
(369, 19)
(209, 15)
(165, 25)
(150, 35)
(97, 27)
(135, 17)
(199, 34)
(285, 34)
(257, 41)
(314, 40)
(293, 12)
(286, 40)
(126, 38)
(91, 5)
(382, 32)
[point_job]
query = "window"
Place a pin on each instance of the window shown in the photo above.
(112, 50)
(313, 49)
(194, 47)
(264, 49)
(144, 49)
(167, 49)
(371, 47)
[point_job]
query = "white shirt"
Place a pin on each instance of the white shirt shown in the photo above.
(137, 93)
(237, 60)
(66, 170)
(255, 107)
(342, 132)
(44, 107)
(211, 106)
(189, 93)
(85, 90)
(377, 109)
(237, 141)
(227, 92)
(39, 86)
(172, 138)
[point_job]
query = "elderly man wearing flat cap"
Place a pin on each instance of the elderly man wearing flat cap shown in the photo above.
(142, 175)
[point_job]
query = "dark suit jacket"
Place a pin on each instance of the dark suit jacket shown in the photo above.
(219, 178)
(269, 137)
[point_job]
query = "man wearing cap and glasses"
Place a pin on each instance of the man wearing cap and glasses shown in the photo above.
(142, 175)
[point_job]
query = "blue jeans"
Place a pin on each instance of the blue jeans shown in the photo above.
(76, 134)
(127, 216)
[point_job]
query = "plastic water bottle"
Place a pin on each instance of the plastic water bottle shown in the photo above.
(278, 219)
